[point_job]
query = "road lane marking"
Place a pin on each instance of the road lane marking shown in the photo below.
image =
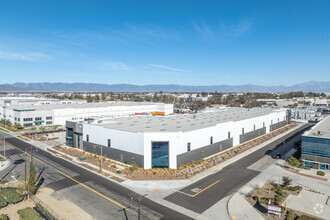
(206, 188)
(87, 187)
(107, 198)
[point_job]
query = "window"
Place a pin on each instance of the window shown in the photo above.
(278, 120)
(27, 119)
(271, 122)
(69, 132)
(242, 130)
(254, 127)
(49, 122)
(27, 124)
(15, 119)
(228, 134)
(37, 118)
(160, 154)
(49, 118)
(18, 119)
(87, 138)
(309, 163)
(263, 124)
(188, 146)
(211, 140)
(109, 143)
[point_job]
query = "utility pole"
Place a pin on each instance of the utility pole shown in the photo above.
(101, 157)
(138, 198)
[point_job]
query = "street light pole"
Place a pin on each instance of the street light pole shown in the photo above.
(4, 147)
(138, 198)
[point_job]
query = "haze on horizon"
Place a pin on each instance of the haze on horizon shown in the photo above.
(173, 42)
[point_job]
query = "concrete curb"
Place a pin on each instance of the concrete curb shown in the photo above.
(5, 163)
(79, 164)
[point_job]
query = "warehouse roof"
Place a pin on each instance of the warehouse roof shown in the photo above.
(186, 122)
(77, 105)
(321, 129)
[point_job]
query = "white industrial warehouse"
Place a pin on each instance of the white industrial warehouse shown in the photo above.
(170, 141)
(58, 114)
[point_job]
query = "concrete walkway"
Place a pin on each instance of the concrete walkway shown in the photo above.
(314, 204)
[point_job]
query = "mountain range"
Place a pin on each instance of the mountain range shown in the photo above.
(311, 86)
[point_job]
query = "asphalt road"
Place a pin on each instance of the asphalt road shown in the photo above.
(100, 197)
(204, 193)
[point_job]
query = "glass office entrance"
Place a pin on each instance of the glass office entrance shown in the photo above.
(159, 154)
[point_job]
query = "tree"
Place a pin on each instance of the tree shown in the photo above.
(286, 181)
(32, 179)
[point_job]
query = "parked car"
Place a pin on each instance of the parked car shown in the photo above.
(278, 156)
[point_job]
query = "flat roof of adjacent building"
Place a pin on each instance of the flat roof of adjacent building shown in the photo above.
(185, 122)
(321, 129)
(78, 105)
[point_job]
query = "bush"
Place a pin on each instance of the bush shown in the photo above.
(11, 195)
(294, 162)
(280, 192)
(278, 200)
(286, 181)
(4, 182)
(291, 215)
(133, 167)
(28, 214)
(293, 188)
(320, 173)
(3, 202)
(3, 217)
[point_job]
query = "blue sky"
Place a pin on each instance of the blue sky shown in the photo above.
(165, 42)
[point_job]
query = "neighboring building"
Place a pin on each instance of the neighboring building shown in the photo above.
(311, 114)
(170, 141)
(58, 114)
(315, 146)
(8, 101)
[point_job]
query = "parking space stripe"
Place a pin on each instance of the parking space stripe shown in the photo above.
(206, 188)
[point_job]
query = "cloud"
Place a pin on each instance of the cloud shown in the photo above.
(204, 30)
(27, 56)
(242, 27)
(163, 67)
(116, 65)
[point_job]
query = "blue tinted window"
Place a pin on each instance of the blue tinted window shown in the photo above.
(70, 132)
(159, 154)
(308, 164)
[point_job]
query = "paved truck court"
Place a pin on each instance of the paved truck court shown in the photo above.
(204, 193)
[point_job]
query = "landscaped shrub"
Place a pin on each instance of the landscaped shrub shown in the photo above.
(3, 217)
(286, 181)
(133, 167)
(320, 173)
(294, 162)
(3, 202)
(11, 195)
(28, 214)
(293, 188)
(278, 200)
(4, 181)
(291, 215)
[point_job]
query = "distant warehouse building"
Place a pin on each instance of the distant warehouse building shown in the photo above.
(170, 141)
(315, 146)
(58, 114)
